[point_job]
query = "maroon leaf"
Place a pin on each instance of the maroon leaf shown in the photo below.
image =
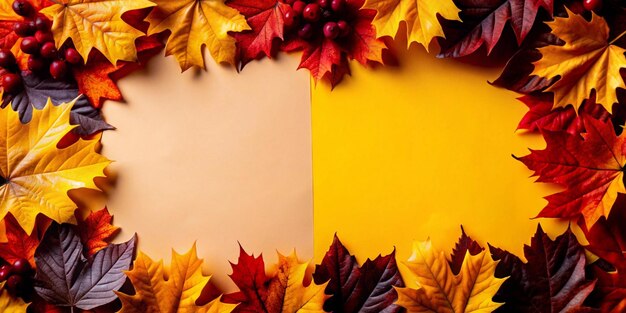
(463, 246)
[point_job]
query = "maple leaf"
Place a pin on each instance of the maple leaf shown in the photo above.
(195, 23)
(35, 175)
(442, 291)
(358, 289)
(463, 246)
(590, 167)
(267, 27)
(9, 304)
(282, 293)
(153, 293)
(484, 22)
(586, 62)
(607, 240)
(65, 278)
(96, 231)
(19, 244)
(38, 90)
(553, 279)
(96, 24)
(420, 17)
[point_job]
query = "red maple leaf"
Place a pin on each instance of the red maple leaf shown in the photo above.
(96, 231)
(589, 166)
(249, 276)
(267, 22)
(20, 245)
(465, 245)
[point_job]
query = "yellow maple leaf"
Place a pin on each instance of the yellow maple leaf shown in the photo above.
(439, 290)
(35, 175)
(586, 62)
(96, 24)
(9, 304)
(195, 23)
(153, 293)
(420, 17)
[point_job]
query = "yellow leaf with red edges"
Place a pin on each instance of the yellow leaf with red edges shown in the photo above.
(10, 304)
(586, 62)
(178, 293)
(96, 24)
(438, 290)
(195, 23)
(35, 175)
(420, 17)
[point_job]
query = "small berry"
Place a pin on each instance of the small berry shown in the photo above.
(23, 8)
(7, 59)
(15, 284)
(48, 50)
(298, 7)
(306, 31)
(72, 56)
(11, 83)
(23, 29)
(289, 17)
(21, 266)
(36, 64)
(324, 3)
(30, 45)
(344, 28)
(43, 36)
(311, 12)
(58, 69)
(42, 23)
(337, 5)
(331, 30)
(591, 5)
(4, 274)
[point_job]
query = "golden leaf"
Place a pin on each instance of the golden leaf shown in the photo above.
(96, 24)
(195, 23)
(439, 290)
(35, 174)
(9, 304)
(420, 17)
(153, 293)
(586, 62)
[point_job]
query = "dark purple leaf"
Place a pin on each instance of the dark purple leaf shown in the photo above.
(464, 245)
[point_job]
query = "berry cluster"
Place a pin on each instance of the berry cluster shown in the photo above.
(314, 18)
(591, 5)
(38, 43)
(18, 277)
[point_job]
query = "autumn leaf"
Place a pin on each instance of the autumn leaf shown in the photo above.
(368, 288)
(483, 23)
(96, 231)
(193, 24)
(464, 245)
(96, 24)
(36, 92)
(589, 166)
(178, 293)
(283, 292)
(553, 279)
(10, 304)
(420, 17)
(586, 62)
(35, 175)
(19, 244)
(439, 290)
(65, 277)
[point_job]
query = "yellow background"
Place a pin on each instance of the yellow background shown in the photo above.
(404, 153)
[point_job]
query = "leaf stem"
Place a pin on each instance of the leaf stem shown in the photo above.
(617, 38)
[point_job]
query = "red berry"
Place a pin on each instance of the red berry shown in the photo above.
(30, 45)
(306, 31)
(42, 23)
(12, 83)
(591, 5)
(48, 50)
(331, 30)
(311, 12)
(289, 17)
(43, 36)
(72, 56)
(4, 274)
(58, 69)
(7, 59)
(298, 7)
(23, 29)
(21, 266)
(337, 5)
(36, 64)
(15, 284)
(323, 3)
(23, 8)
(344, 28)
